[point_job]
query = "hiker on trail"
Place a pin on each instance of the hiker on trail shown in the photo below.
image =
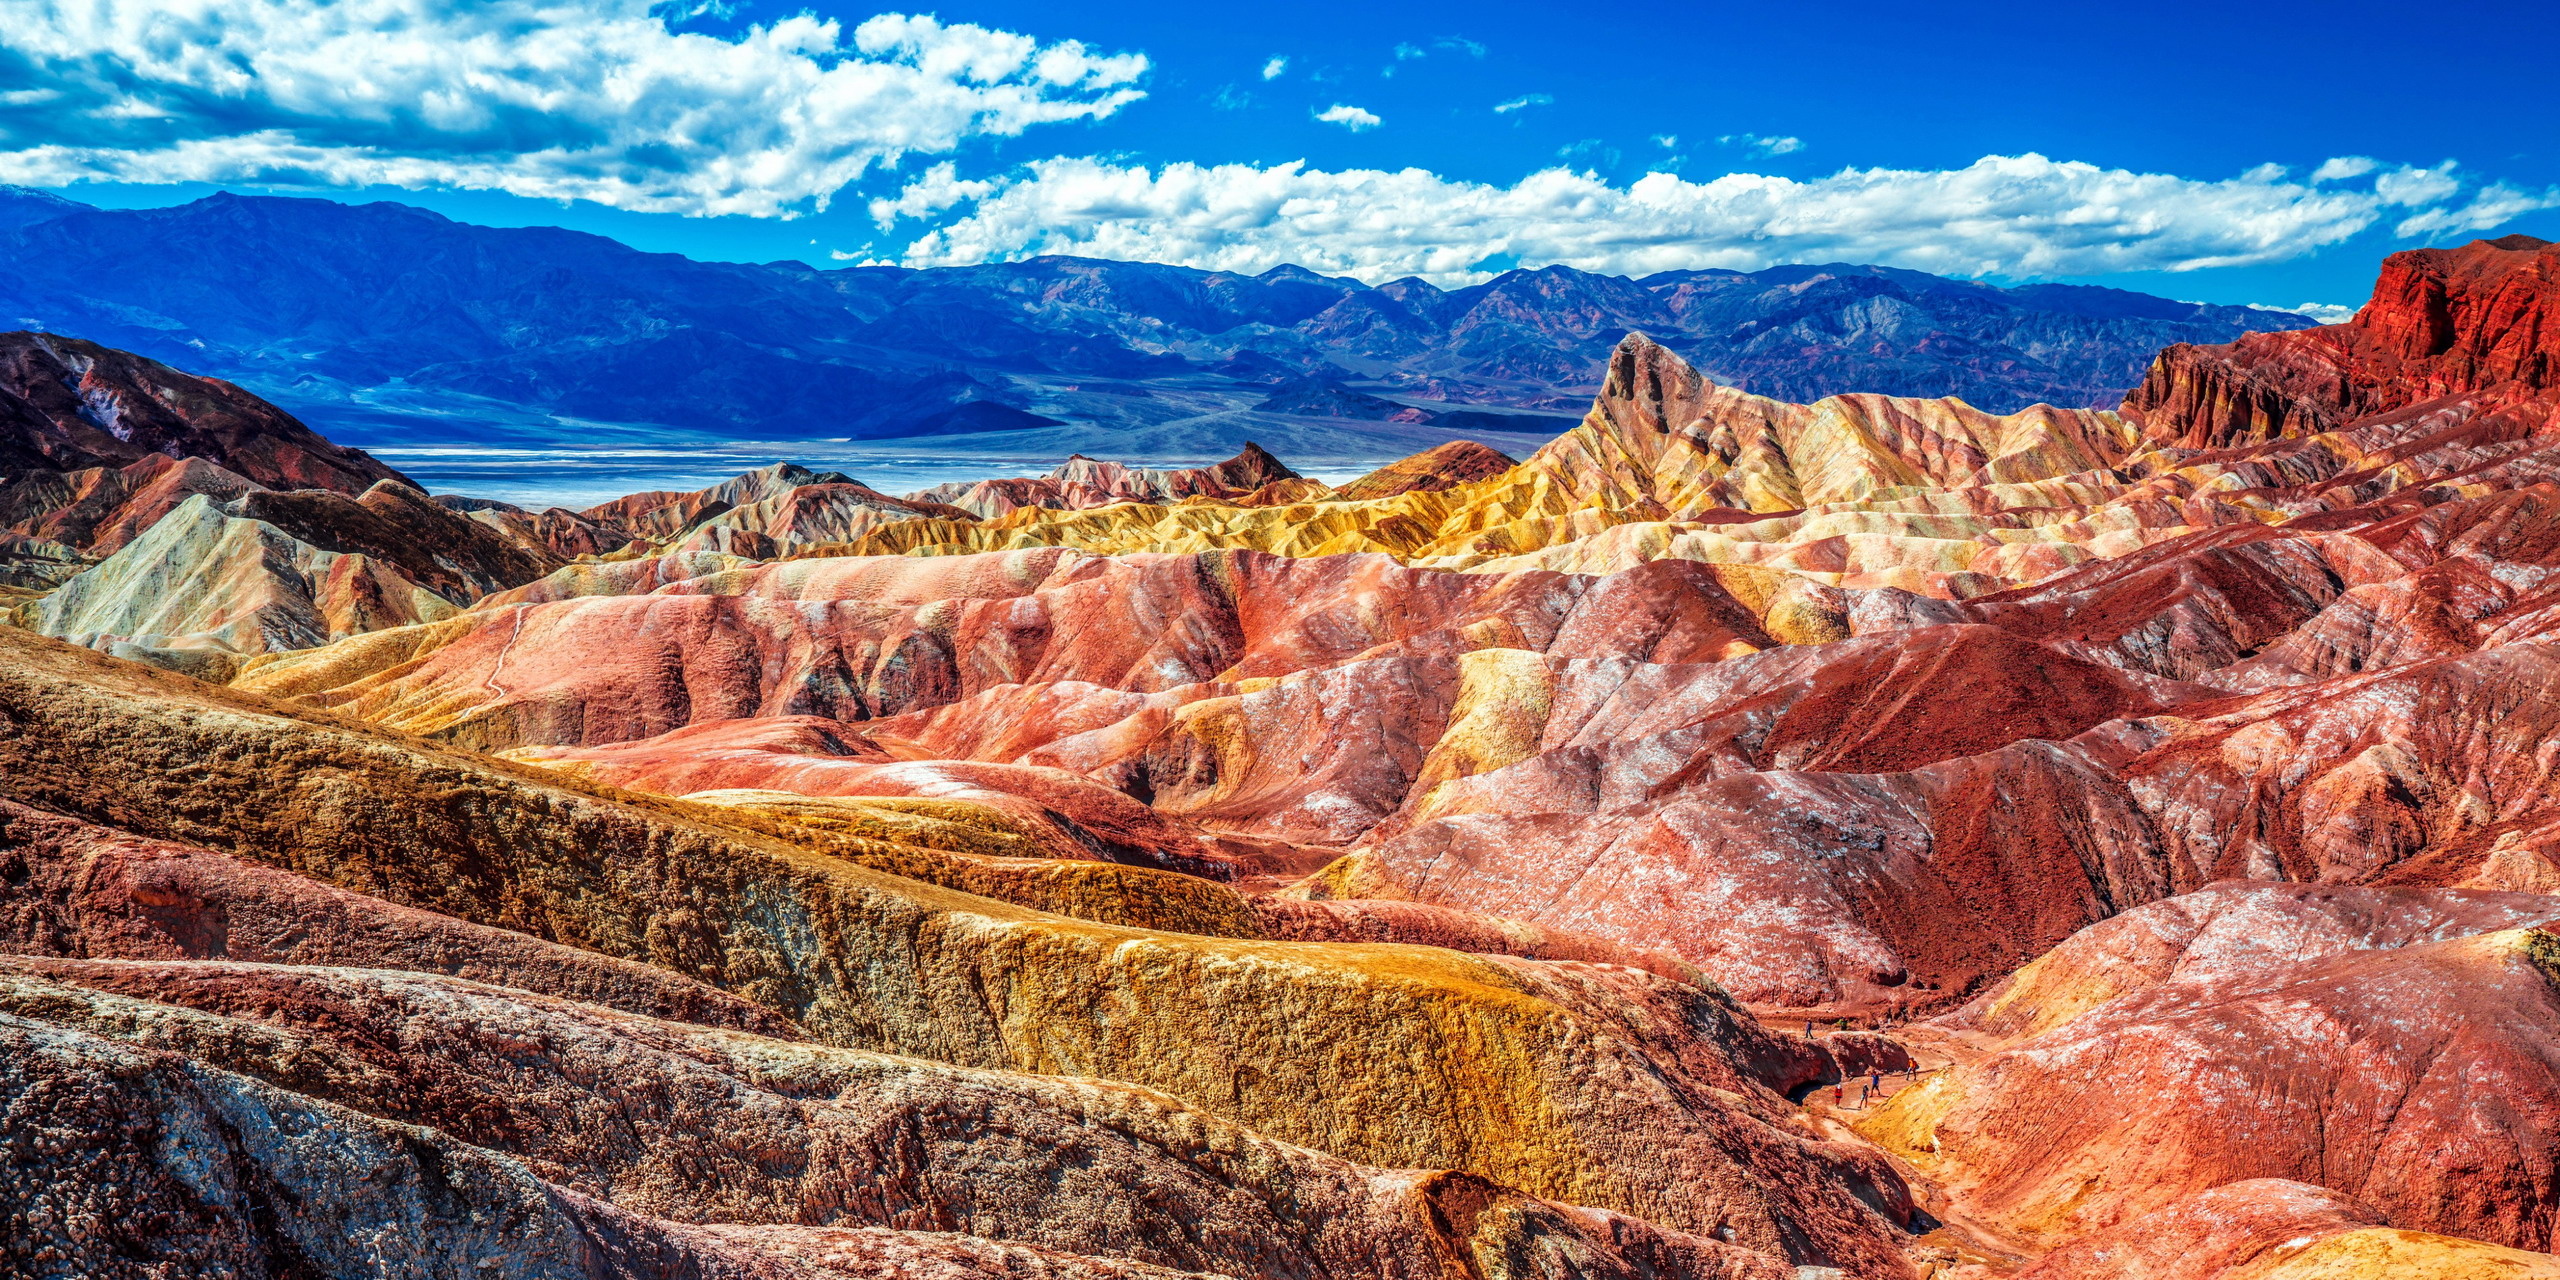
(1808, 1028)
(1875, 1078)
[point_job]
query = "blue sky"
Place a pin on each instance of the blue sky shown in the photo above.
(2265, 153)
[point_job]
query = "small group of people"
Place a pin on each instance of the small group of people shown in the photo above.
(1883, 1023)
(1873, 1086)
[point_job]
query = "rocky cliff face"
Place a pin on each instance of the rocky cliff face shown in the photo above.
(2472, 327)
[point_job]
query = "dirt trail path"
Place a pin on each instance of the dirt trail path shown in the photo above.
(1960, 1248)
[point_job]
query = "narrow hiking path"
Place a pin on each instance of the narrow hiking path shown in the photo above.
(1960, 1247)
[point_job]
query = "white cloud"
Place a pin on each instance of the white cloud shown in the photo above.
(2009, 215)
(1408, 52)
(1524, 100)
(1765, 146)
(1460, 44)
(1271, 70)
(940, 188)
(2410, 188)
(1666, 141)
(2341, 168)
(1590, 151)
(2490, 206)
(564, 99)
(2324, 312)
(1353, 118)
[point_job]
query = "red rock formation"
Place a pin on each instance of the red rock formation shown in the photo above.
(661, 515)
(830, 512)
(1064, 815)
(564, 534)
(2479, 324)
(1081, 482)
(1583, 1083)
(2399, 1046)
(1438, 467)
(99, 509)
(856, 638)
(2270, 1229)
(1172, 821)
(2095, 839)
(66, 404)
(81, 890)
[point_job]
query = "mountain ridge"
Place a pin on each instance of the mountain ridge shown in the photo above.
(336, 310)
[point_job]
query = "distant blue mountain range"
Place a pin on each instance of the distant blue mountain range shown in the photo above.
(382, 321)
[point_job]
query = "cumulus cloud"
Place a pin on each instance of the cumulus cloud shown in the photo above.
(2324, 312)
(1409, 52)
(2409, 188)
(1271, 70)
(2005, 215)
(940, 188)
(1353, 118)
(568, 99)
(1524, 100)
(2341, 168)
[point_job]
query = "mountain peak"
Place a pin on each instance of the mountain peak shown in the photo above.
(27, 206)
(1292, 271)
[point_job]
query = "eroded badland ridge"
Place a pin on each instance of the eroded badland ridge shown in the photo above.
(1462, 871)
